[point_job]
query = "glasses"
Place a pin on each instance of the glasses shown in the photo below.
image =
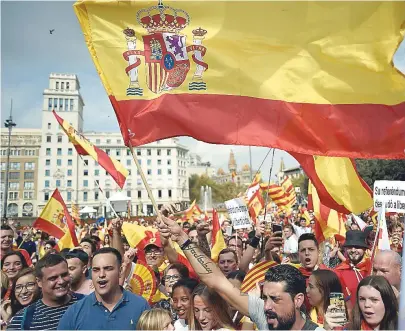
(29, 286)
(150, 253)
(173, 277)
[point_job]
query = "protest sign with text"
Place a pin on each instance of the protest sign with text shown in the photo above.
(391, 193)
(238, 213)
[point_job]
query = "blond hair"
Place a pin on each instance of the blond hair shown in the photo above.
(154, 319)
(4, 282)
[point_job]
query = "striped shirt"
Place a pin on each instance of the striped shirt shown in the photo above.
(45, 317)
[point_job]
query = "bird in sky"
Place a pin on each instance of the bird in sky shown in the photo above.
(51, 31)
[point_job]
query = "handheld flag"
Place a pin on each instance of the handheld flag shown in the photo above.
(56, 221)
(256, 275)
(85, 147)
(218, 241)
(308, 77)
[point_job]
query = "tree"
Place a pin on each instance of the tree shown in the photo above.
(372, 170)
(302, 182)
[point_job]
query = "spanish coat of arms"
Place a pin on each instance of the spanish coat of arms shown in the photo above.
(166, 54)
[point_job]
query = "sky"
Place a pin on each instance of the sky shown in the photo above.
(29, 53)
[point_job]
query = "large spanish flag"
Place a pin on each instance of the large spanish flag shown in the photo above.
(312, 77)
(56, 221)
(337, 182)
(85, 147)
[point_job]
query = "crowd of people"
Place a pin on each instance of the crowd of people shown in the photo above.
(336, 284)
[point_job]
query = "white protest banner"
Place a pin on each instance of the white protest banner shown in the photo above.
(238, 213)
(391, 193)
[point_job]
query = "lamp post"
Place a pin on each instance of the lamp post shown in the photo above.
(9, 124)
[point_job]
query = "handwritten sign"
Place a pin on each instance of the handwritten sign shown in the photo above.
(390, 193)
(238, 213)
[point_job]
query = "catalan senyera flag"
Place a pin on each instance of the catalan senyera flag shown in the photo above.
(280, 197)
(328, 222)
(56, 221)
(256, 275)
(85, 147)
(218, 241)
(308, 77)
(288, 187)
(337, 182)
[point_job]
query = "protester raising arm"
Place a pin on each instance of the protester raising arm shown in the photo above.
(203, 230)
(251, 248)
(116, 241)
(206, 269)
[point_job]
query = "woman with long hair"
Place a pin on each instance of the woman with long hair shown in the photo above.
(376, 305)
(320, 285)
(155, 319)
(106, 241)
(181, 302)
(24, 291)
(209, 311)
(11, 264)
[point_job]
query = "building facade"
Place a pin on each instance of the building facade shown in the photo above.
(293, 172)
(79, 179)
(23, 171)
(195, 166)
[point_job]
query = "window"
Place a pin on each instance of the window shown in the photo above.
(57, 85)
(69, 172)
(128, 152)
(159, 162)
(13, 195)
(129, 194)
(159, 152)
(71, 104)
(107, 151)
(70, 151)
(140, 162)
(3, 166)
(169, 152)
(62, 85)
(66, 104)
(14, 175)
(55, 104)
(47, 173)
(67, 85)
(169, 162)
(47, 183)
(48, 151)
(118, 141)
(69, 183)
(159, 193)
(97, 141)
(139, 194)
(86, 162)
(108, 141)
(107, 194)
(59, 162)
(128, 162)
(86, 183)
(49, 126)
(159, 171)
(59, 151)
(28, 185)
(95, 163)
(70, 162)
(169, 193)
(28, 175)
(47, 162)
(85, 172)
(46, 196)
(169, 171)
(148, 152)
(69, 196)
(58, 183)
(28, 195)
(60, 104)
(96, 172)
(149, 162)
(49, 104)
(84, 196)
(14, 186)
(118, 152)
(138, 152)
(29, 166)
(149, 172)
(15, 165)
(60, 139)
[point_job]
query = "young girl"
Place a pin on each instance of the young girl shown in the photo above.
(181, 302)
(155, 319)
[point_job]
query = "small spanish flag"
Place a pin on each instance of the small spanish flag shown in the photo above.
(85, 147)
(218, 241)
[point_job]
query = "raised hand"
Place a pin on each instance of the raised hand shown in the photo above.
(169, 228)
(116, 224)
(260, 229)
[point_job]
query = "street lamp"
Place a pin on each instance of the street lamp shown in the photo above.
(9, 124)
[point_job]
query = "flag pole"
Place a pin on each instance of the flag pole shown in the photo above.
(102, 192)
(148, 189)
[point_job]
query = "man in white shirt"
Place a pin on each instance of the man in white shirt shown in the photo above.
(290, 240)
(303, 228)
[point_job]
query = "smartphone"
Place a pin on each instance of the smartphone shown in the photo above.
(228, 231)
(277, 228)
(337, 299)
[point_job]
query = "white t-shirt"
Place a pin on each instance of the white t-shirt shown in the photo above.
(180, 325)
(291, 245)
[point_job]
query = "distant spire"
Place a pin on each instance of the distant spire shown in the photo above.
(282, 165)
(232, 162)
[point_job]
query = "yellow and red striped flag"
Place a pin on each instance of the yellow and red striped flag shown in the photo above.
(85, 147)
(323, 77)
(256, 205)
(218, 241)
(337, 182)
(289, 189)
(56, 221)
(256, 275)
(280, 197)
(328, 222)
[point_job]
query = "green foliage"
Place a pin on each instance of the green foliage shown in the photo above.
(302, 182)
(220, 192)
(372, 170)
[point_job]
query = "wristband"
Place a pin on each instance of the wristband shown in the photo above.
(254, 242)
(185, 244)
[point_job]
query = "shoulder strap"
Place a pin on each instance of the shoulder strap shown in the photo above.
(309, 325)
(27, 317)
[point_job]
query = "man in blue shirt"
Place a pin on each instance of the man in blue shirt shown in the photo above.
(110, 307)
